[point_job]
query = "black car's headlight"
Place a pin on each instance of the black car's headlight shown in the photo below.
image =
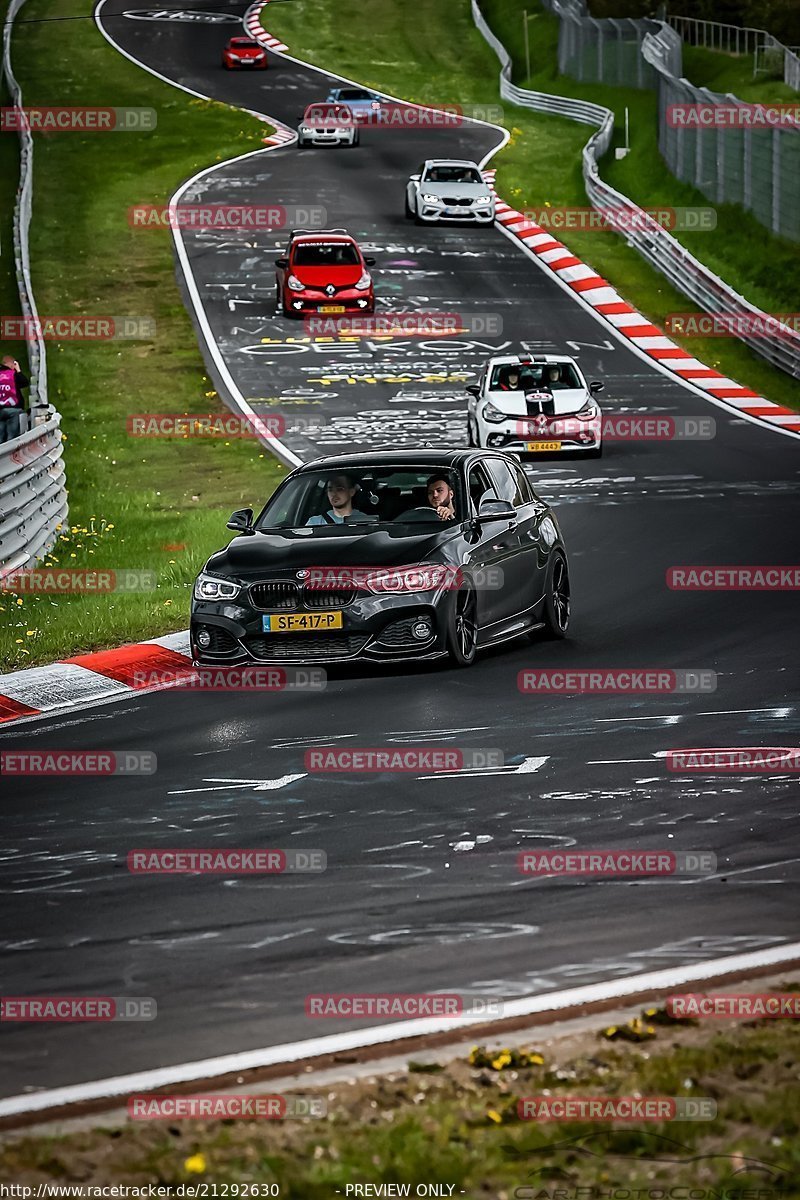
(211, 587)
(490, 413)
(422, 577)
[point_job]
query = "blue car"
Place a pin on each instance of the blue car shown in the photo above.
(365, 106)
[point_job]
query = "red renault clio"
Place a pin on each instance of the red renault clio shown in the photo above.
(323, 272)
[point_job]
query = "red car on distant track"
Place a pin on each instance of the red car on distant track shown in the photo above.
(323, 272)
(242, 53)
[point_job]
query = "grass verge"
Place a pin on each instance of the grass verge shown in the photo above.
(456, 1123)
(158, 505)
(433, 54)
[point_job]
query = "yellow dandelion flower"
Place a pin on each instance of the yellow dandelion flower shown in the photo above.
(195, 1164)
(494, 1115)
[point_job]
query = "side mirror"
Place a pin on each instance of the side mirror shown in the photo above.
(370, 262)
(473, 389)
(496, 510)
(596, 387)
(282, 263)
(414, 178)
(242, 521)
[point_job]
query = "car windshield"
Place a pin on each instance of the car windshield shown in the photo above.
(354, 94)
(453, 174)
(530, 377)
(368, 497)
(325, 254)
(326, 112)
(243, 41)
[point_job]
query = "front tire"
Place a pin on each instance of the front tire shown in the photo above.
(472, 440)
(462, 627)
(557, 604)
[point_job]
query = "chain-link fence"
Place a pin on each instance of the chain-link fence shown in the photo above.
(732, 152)
(727, 149)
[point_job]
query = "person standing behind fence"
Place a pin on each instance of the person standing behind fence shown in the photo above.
(12, 405)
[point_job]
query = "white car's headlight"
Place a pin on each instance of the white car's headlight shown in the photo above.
(429, 198)
(364, 281)
(482, 200)
(211, 587)
(589, 412)
(294, 283)
(490, 413)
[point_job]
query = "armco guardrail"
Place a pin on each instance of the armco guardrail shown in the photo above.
(663, 251)
(33, 496)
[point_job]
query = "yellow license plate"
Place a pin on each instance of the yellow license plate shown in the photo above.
(332, 308)
(300, 622)
(534, 446)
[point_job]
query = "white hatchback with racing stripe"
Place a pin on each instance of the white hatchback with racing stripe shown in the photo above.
(535, 405)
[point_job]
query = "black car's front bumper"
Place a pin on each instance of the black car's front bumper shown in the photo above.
(374, 628)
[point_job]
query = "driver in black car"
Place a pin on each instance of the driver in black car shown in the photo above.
(440, 497)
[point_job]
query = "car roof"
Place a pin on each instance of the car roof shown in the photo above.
(386, 458)
(321, 235)
(516, 360)
(450, 162)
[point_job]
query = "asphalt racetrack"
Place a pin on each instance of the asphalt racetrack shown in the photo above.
(422, 890)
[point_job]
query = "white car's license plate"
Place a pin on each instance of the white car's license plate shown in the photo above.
(532, 447)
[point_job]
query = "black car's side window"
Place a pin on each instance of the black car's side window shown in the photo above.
(524, 490)
(505, 481)
(480, 487)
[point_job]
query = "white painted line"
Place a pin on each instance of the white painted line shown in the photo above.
(336, 1043)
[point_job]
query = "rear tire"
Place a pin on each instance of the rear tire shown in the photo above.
(557, 606)
(462, 627)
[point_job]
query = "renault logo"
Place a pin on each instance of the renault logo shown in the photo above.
(330, 289)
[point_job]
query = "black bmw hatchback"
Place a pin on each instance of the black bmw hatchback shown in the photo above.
(385, 557)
